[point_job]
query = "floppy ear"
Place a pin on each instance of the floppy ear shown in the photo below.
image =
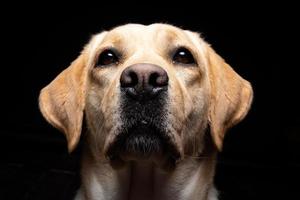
(63, 100)
(231, 97)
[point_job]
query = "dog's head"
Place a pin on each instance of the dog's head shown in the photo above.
(148, 92)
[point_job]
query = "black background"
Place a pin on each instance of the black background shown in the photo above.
(40, 41)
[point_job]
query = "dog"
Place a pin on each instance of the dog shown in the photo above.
(157, 101)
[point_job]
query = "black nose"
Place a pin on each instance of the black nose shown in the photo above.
(144, 81)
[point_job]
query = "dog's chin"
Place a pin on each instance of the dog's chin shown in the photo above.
(143, 142)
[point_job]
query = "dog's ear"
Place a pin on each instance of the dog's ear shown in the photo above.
(62, 101)
(231, 97)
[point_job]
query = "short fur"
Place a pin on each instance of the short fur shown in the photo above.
(208, 96)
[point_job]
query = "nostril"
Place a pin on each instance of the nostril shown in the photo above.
(129, 79)
(157, 79)
(134, 79)
(153, 79)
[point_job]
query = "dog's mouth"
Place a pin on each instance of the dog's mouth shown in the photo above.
(143, 134)
(143, 142)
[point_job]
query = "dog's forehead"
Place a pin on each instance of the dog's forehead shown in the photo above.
(137, 33)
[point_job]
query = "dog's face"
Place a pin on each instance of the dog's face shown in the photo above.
(148, 92)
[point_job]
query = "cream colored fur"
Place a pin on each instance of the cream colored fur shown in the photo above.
(211, 95)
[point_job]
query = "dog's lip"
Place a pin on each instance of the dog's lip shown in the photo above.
(165, 158)
(144, 142)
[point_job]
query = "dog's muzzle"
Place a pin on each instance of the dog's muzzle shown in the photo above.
(143, 134)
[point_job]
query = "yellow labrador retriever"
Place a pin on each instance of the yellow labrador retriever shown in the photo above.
(157, 101)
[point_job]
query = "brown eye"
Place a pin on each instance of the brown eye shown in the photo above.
(183, 56)
(107, 57)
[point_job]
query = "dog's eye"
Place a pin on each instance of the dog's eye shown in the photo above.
(107, 57)
(183, 56)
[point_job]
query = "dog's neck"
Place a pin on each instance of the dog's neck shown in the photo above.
(191, 179)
